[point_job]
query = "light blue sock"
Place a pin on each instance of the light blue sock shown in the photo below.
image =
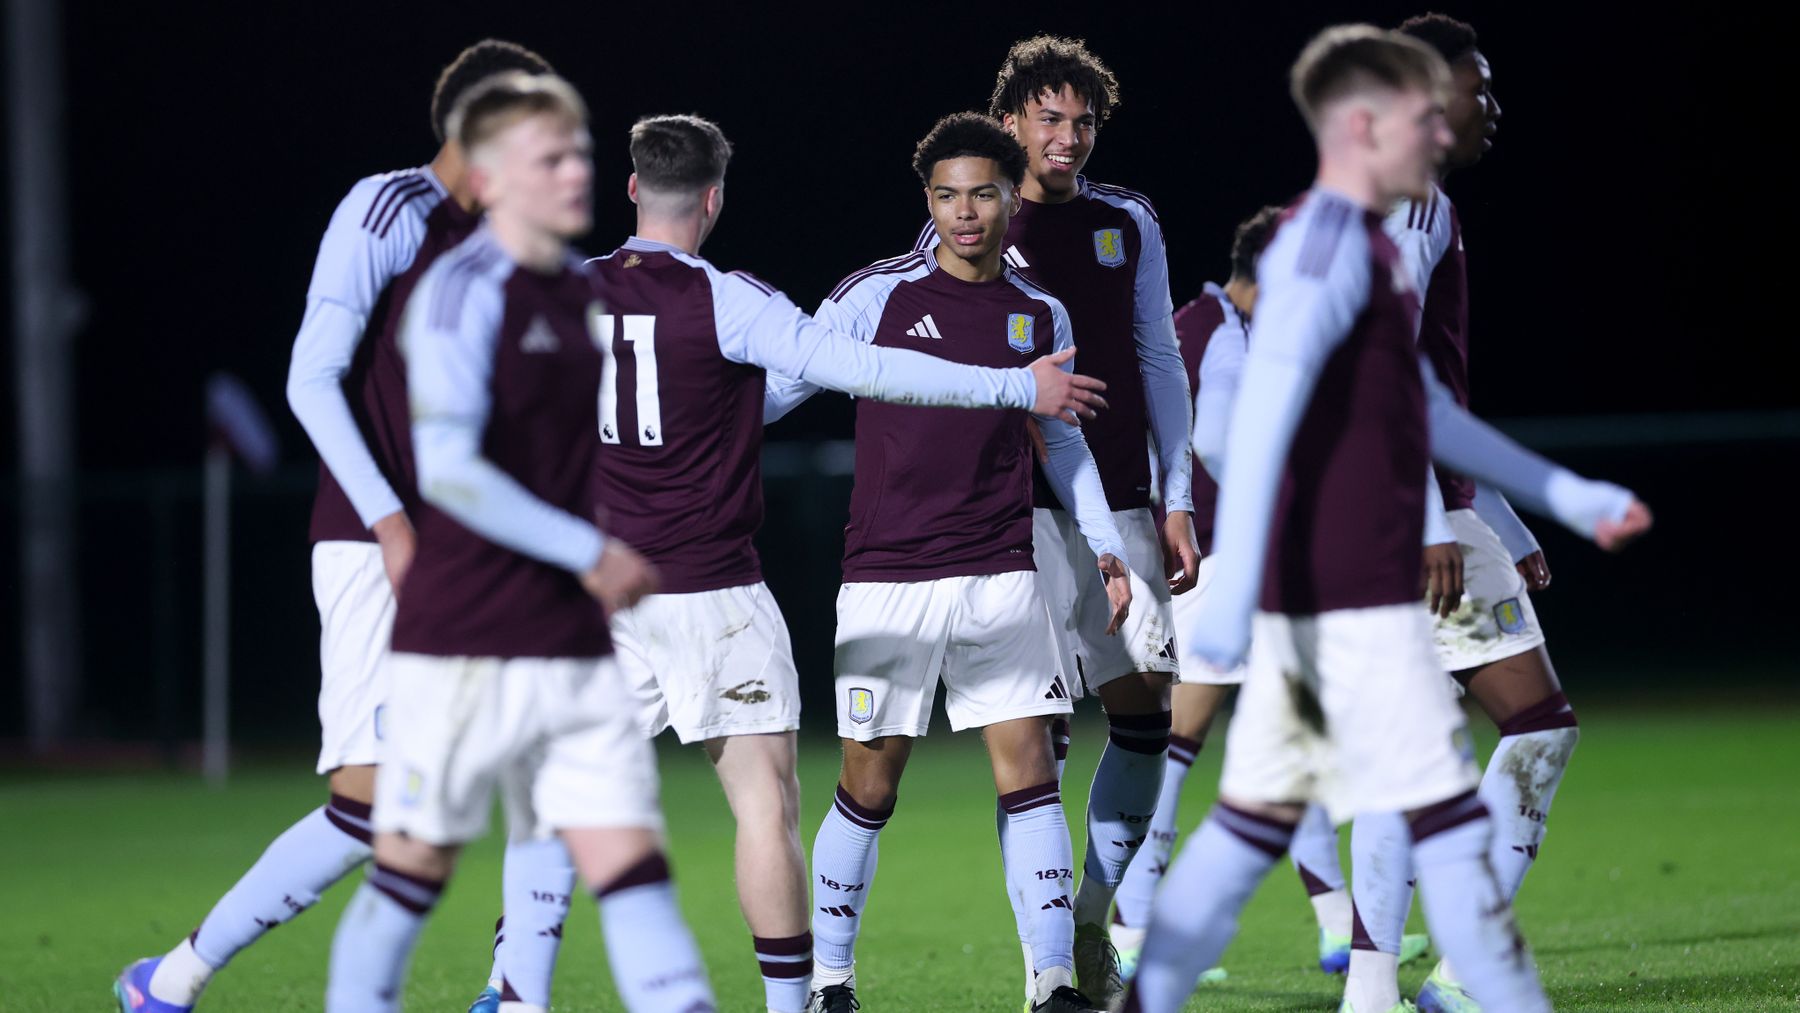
(1037, 856)
(375, 939)
(843, 870)
(1145, 873)
(537, 878)
(655, 964)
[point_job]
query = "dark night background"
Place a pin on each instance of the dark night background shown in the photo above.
(1615, 239)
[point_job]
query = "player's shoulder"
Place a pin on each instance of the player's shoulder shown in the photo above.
(1031, 289)
(377, 204)
(1126, 199)
(1203, 314)
(473, 273)
(1432, 215)
(1321, 234)
(880, 278)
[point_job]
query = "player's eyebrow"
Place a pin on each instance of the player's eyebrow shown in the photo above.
(947, 188)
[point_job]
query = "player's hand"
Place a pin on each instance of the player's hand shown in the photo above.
(1181, 554)
(1535, 571)
(1613, 536)
(1036, 436)
(1118, 590)
(1070, 397)
(1443, 578)
(620, 577)
(394, 534)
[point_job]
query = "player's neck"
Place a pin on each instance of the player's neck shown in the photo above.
(987, 268)
(1351, 182)
(1034, 191)
(1242, 293)
(683, 234)
(451, 171)
(528, 245)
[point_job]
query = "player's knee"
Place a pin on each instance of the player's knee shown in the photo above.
(354, 783)
(1137, 693)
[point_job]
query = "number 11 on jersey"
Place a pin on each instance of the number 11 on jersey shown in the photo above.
(639, 332)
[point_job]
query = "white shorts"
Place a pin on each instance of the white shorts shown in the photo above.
(555, 735)
(1495, 620)
(1194, 669)
(356, 622)
(987, 638)
(1069, 577)
(710, 663)
(1349, 709)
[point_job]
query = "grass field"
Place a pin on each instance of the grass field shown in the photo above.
(1670, 881)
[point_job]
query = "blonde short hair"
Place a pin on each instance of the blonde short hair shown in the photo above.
(1347, 60)
(500, 101)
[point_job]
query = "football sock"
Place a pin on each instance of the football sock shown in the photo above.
(1138, 888)
(843, 870)
(1315, 855)
(655, 964)
(1470, 918)
(1059, 745)
(320, 849)
(787, 966)
(537, 878)
(1036, 845)
(1521, 781)
(1381, 883)
(1207, 888)
(1121, 803)
(375, 939)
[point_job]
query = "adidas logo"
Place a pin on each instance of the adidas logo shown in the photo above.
(1057, 692)
(1168, 649)
(1015, 258)
(840, 911)
(1062, 901)
(1131, 845)
(539, 338)
(926, 328)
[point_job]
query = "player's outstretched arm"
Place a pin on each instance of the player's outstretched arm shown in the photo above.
(1607, 514)
(449, 364)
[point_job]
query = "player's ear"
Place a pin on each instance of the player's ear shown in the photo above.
(631, 187)
(714, 202)
(1009, 123)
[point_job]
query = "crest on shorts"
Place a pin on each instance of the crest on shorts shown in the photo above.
(1463, 743)
(1510, 616)
(862, 705)
(1021, 332)
(415, 788)
(1109, 247)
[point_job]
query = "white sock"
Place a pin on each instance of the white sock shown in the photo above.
(1037, 842)
(375, 940)
(1521, 781)
(1470, 919)
(1314, 852)
(655, 964)
(1145, 873)
(843, 870)
(1049, 980)
(537, 878)
(1382, 889)
(1121, 804)
(508, 1006)
(1204, 892)
(787, 970)
(181, 976)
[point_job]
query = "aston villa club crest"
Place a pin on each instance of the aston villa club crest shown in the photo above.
(1510, 616)
(1109, 247)
(1021, 332)
(862, 705)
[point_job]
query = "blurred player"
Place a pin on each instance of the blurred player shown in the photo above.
(681, 409)
(501, 672)
(1344, 702)
(1492, 643)
(347, 386)
(938, 580)
(1100, 250)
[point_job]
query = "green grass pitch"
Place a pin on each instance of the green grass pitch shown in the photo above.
(1670, 880)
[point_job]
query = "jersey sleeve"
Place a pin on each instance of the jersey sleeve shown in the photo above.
(1071, 470)
(1493, 509)
(354, 265)
(760, 326)
(1421, 230)
(450, 340)
(1461, 441)
(1314, 280)
(1221, 370)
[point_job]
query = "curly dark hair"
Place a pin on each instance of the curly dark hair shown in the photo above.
(1450, 37)
(1047, 63)
(482, 60)
(970, 135)
(1251, 237)
(678, 153)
